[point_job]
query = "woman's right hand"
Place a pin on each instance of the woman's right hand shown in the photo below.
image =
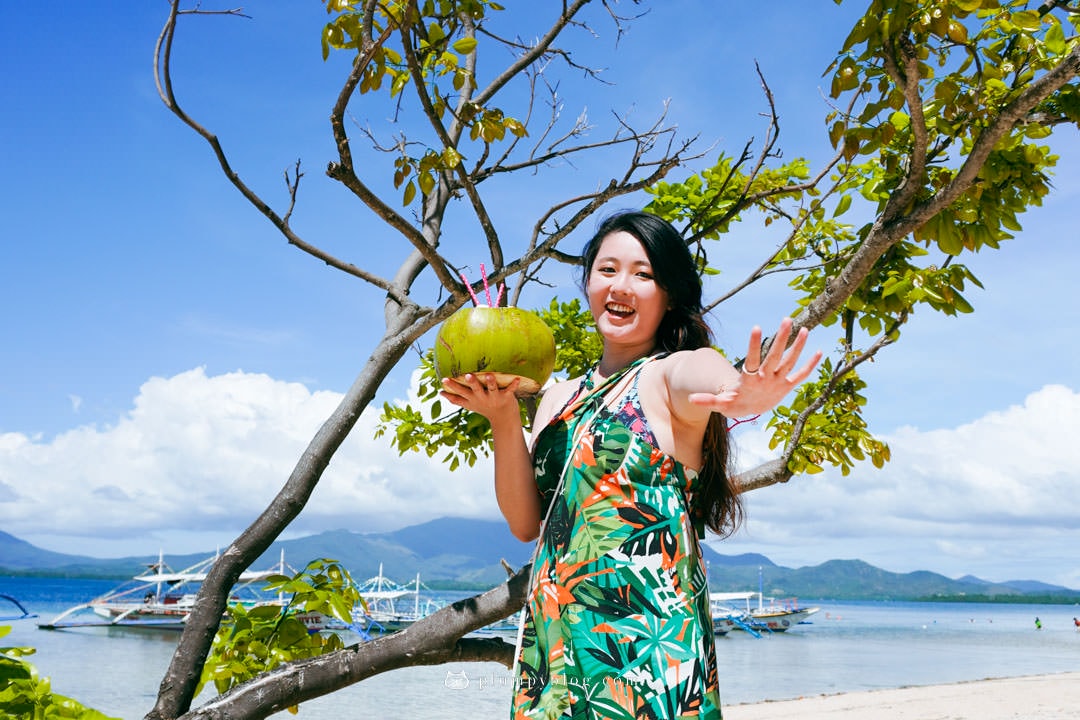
(480, 393)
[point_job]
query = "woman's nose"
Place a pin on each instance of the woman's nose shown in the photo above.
(620, 283)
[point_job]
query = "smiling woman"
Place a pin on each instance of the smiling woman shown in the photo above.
(628, 464)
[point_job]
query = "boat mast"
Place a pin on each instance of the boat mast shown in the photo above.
(160, 568)
(760, 590)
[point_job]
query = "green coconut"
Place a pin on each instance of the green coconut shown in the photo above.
(506, 342)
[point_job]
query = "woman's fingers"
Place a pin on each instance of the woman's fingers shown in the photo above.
(781, 359)
(753, 351)
(794, 352)
(774, 359)
(479, 393)
(805, 370)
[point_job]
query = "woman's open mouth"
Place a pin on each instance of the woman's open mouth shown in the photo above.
(619, 310)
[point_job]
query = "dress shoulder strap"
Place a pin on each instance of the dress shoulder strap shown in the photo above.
(587, 393)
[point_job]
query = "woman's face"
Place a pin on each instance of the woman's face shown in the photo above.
(624, 299)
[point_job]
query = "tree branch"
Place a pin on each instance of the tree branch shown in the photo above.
(163, 82)
(178, 684)
(885, 233)
(531, 54)
(907, 78)
(435, 639)
(482, 215)
(344, 171)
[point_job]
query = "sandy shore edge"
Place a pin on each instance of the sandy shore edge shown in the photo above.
(1034, 697)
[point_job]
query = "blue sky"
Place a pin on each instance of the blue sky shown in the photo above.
(165, 355)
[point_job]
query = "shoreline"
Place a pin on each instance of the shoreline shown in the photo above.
(1031, 697)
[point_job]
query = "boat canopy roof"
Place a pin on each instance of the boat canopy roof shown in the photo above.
(178, 577)
(384, 594)
(729, 596)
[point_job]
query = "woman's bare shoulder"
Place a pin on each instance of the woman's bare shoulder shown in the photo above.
(698, 369)
(558, 394)
(552, 399)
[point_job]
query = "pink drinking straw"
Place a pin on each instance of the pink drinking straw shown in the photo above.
(476, 300)
(487, 289)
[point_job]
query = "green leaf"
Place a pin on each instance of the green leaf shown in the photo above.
(265, 612)
(427, 182)
(843, 205)
(1027, 19)
(435, 33)
(451, 158)
(1055, 38)
(464, 45)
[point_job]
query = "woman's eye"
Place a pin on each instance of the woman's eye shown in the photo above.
(645, 275)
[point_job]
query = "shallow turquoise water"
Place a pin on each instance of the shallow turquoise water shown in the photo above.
(847, 646)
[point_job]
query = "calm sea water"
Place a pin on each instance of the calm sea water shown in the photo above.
(847, 646)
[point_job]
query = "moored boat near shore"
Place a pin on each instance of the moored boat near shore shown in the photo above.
(390, 606)
(161, 598)
(726, 617)
(771, 616)
(780, 615)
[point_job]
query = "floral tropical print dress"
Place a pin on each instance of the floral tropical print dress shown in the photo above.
(617, 621)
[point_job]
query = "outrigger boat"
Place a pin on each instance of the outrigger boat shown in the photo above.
(776, 616)
(390, 606)
(161, 598)
(725, 617)
(779, 615)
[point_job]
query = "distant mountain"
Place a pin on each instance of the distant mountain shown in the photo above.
(1029, 587)
(18, 554)
(465, 553)
(751, 560)
(20, 557)
(855, 579)
(444, 552)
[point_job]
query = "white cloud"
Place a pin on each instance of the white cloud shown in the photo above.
(204, 455)
(198, 458)
(995, 497)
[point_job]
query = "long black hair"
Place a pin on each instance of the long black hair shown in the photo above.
(716, 500)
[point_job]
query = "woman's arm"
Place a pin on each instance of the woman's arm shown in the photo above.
(515, 480)
(702, 381)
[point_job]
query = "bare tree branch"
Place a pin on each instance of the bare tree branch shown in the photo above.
(763, 270)
(163, 81)
(532, 53)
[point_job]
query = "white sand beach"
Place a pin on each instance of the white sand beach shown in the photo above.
(1038, 697)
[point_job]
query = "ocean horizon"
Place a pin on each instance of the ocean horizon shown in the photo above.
(847, 646)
